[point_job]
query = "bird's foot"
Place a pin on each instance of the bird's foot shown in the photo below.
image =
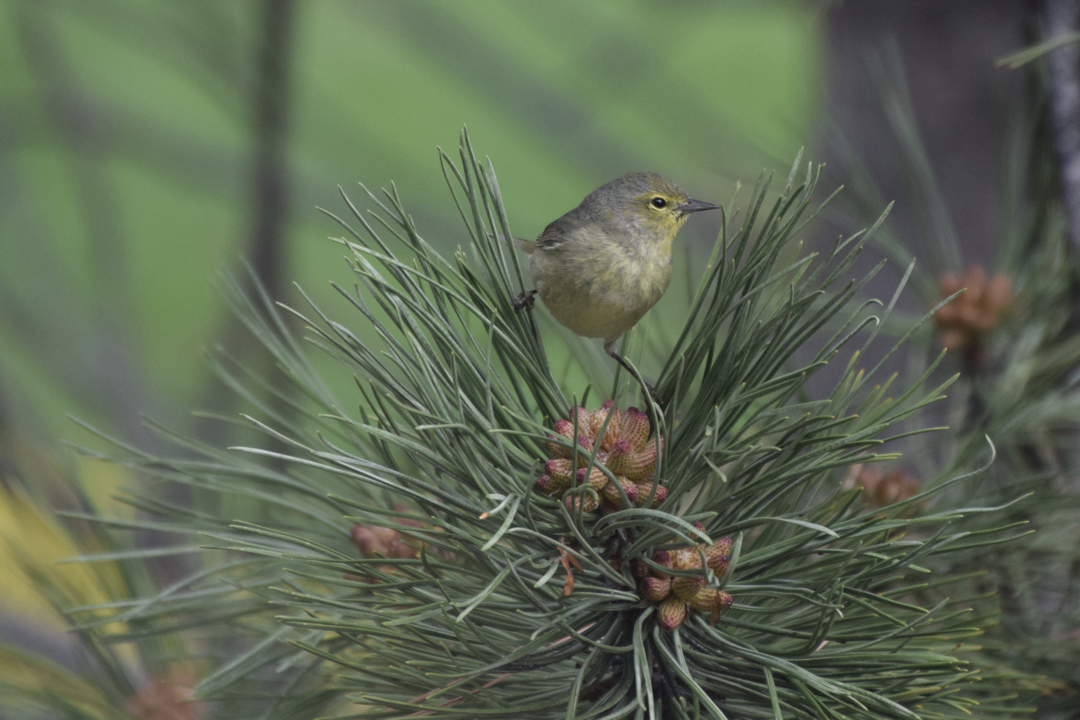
(657, 400)
(525, 300)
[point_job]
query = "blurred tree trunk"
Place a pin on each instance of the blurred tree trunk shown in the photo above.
(267, 251)
(963, 104)
(270, 106)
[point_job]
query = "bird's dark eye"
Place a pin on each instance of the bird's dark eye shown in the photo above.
(658, 202)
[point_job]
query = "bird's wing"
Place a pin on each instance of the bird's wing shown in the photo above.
(552, 237)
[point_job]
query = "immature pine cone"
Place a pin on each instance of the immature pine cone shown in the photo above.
(625, 450)
(677, 595)
(376, 541)
(880, 488)
(976, 311)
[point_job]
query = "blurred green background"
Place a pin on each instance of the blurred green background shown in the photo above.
(145, 146)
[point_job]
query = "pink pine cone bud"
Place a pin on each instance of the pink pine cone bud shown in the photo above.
(613, 498)
(704, 599)
(621, 457)
(687, 587)
(588, 503)
(374, 541)
(599, 417)
(595, 479)
(547, 485)
(560, 469)
(655, 589)
(556, 450)
(672, 612)
(638, 465)
(716, 556)
(645, 490)
(564, 428)
(583, 418)
(686, 559)
(635, 428)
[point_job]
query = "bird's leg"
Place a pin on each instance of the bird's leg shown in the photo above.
(524, 300)
(609, 347)
(619, 359)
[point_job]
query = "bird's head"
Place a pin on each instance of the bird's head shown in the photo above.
(651, 207)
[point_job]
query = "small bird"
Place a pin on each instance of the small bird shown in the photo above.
(601, 266)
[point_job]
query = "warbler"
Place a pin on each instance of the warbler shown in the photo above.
(601, 266)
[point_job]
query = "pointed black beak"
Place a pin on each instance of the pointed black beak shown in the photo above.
(696, 206)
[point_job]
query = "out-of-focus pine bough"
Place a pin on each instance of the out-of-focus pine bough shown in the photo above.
(1012, 335)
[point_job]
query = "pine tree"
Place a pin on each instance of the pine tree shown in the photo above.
(465, 537)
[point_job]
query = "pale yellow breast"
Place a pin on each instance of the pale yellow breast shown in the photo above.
(600, 289)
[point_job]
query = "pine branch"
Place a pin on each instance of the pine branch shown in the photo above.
(704, 563)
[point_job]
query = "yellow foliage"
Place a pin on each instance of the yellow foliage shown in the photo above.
(34, 543)
(27, 678)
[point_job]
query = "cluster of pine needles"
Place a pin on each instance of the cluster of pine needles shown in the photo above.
(389, 554)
